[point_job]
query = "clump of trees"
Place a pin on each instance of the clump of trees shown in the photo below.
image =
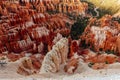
(78, 27)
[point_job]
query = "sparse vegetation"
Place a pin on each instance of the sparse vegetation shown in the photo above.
(90, 64)
(110, 52)
(113, 6)
(101, 10)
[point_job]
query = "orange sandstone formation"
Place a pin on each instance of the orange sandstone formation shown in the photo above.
(102, 34)
(62, 6)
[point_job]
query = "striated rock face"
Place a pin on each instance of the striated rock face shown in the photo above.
(71, 65)
(102, 34)
(65, 6)
(26, 68)
(55, 57)
(100, 60)
(30, 65)
(28, 30)
(72, 6)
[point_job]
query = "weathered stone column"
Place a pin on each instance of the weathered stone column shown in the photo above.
(64, 9)
(60, 9)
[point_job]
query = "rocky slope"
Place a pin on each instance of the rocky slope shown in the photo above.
(37, 35)
(102, 34)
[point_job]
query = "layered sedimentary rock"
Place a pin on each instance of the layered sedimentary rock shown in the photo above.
(71, 65)
(27, 30)
(73, 6)
(58, 58)
(65, 6)
(55, 57)
(102, 34)
(30, 65)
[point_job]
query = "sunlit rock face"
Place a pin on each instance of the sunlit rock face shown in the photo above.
(117, 15)
(55, 57)
(72, 6)
(102, 34)
(30, 65)
(27, 29)
(65, 6)
(26, 67)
